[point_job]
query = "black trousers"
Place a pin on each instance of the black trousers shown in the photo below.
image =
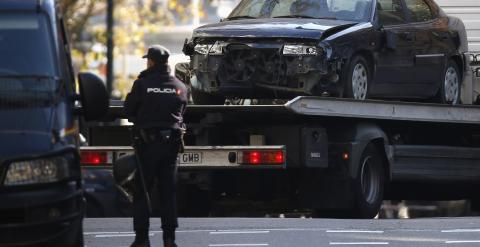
(159, 162)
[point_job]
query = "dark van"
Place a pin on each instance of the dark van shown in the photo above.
(41, 196)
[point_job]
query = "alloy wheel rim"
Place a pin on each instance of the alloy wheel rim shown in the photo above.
(369, 181)
(359, 82)
(451, 86)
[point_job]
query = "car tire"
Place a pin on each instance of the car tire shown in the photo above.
(369, 184)
(202, 98)
(358, 79)
(450, 86)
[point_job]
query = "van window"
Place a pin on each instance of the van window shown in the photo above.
(26, 45)
(28, 68)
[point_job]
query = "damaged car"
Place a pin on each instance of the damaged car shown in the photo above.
(360, 49)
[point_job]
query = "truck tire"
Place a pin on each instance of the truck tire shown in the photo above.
(358, 79)
(369, 184)
(450, 86)
(202, 98)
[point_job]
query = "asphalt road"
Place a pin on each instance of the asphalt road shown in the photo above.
(224, 232)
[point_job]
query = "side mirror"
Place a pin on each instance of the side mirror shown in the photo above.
(391, 40)
(93, 95)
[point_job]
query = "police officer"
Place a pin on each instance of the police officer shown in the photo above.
(156, 105)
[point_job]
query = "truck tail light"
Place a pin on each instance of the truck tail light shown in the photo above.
(345, 156)
(263, 157)
(94, 158)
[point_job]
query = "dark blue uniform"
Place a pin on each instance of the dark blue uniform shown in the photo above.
(156, 105)
(156, 100)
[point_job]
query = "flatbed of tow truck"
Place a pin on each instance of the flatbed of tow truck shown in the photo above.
(336, 154)
(336, 107)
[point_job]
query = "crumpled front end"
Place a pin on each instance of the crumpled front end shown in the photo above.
(264, 70)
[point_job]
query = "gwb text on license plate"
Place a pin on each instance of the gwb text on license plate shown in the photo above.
(191, 158)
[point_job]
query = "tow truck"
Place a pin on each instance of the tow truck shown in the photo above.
(335, 157)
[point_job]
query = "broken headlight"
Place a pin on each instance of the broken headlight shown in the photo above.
(300, 50)
(202, 49)
(215, 49)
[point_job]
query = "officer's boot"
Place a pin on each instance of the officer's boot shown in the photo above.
(169, 237)
(141, 240)
(169, 243)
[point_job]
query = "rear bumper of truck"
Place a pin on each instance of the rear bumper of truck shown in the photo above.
(198, 157)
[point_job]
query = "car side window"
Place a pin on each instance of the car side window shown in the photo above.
(419, 10)
(390, 12)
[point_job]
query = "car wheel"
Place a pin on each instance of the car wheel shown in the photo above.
(358, 79)
(202, 98)
(449, 92)
(369, 184)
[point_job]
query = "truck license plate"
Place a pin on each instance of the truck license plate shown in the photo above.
(191, 158)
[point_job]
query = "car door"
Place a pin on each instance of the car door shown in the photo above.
(429, 53)
(395, 56)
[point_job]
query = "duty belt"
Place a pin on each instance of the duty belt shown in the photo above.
(153, 134)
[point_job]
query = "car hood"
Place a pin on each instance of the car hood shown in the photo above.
(272, 28)
(25, 132)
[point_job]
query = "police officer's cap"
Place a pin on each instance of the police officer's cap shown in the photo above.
(157, 53)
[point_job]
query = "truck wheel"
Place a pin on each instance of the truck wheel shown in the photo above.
(202, 98)
(369, 184)
(449, 92)
(358, 78)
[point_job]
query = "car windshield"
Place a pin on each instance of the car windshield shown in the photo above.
(28, 72)
(351, 10)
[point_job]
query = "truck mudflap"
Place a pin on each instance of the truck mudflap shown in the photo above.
(197, 157)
